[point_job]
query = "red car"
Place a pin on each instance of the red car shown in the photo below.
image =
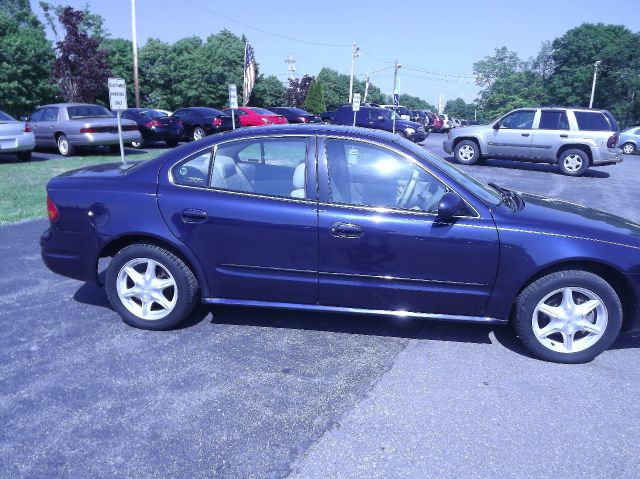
(251, 116)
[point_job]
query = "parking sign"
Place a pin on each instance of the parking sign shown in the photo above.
(233, 96)
(117, 94)
(356, 101)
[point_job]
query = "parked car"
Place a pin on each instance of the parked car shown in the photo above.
(456, 123)
(295, 115)
(154, 126)
(380, 119)
(420, 116)
(327, 116)
(447, 123)
(435, 122)
(252, 116)
(198, 122)
(371, 224)
(572, 138)
(630, 140)
(16, 137)
(68, 126)
(402, 111)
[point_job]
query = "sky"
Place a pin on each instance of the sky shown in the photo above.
(436, 43)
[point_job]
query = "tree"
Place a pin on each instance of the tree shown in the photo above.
(80, 70)
(25, 57)
(503, 61)
(91, 23)
(458, 108)
(315, 98)
(20, 12)
(336, 89)
(120, 61)
(268, 91)
(296, 94)
(415, 103)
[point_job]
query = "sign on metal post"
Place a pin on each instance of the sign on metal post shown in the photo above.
(118, 103)
(233, 103)
(356, 106)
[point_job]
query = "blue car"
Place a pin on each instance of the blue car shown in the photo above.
(630, 140)
(343, 220)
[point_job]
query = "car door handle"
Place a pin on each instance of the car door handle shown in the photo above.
(192, 215)
(564, 135)
(525, 134)
(345, 230)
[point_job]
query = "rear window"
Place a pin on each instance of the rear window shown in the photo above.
(553, 120)
(5, 117)
(88, 111)
(261, 111)
(592, 121)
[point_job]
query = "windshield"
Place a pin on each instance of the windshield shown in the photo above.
(5, 117)
(488, 195)
(386, 114)
(88, 111)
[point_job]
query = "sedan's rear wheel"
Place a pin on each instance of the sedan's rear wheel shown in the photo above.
(64, 147)
(568, 316)
(628, 148)
(198, 133)
(137, 144)
(150, 287)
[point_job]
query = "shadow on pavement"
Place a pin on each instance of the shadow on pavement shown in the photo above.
(540, 167)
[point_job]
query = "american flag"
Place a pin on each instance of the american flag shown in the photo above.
(249, 75)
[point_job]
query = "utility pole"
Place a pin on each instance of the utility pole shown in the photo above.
(366, 88)
(593, 85)
(292, 66)
(355, 52)
(134, 41)
(394, 92)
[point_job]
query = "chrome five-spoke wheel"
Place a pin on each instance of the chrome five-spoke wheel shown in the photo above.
(569, 320)
(147, 289)
(466, 152)
(573, 163)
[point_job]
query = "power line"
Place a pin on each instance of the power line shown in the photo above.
(438, 73)
(285, 37)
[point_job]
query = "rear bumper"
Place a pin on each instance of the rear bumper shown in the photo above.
(162, 134)
(14, 144)
(103, 139)
(606, 156)
(447, 145)
(73, 255)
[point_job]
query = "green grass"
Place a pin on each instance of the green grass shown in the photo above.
(22, 189)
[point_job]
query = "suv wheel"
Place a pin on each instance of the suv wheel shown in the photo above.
(573, 162)
(568, 316)
(150, 287)
(467, 152)
(628, 148)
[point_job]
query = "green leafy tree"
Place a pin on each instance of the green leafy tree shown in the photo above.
(91, 23)
(501, 63)
(25, 58)
(314, 102)
(415, 103)
(336, 89)
(458, 108)
(120, 61)
(20, 11)
(268, 91)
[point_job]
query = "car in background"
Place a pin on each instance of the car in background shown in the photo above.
(380, 119)
(403, 112)
(435, 122)
(573, 138)
(343, 220)
(295, 115)
(420, 116)
(327, 116)
(447, 123)
(456, 122)
(630, 140)
(166, 112)
(68, 126)
(154, 126)
(198, 122)
(16, 137)
(253, 116)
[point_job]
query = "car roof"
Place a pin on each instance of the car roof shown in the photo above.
(71, 104)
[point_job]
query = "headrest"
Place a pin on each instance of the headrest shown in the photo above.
(299, 176)
(224, 166)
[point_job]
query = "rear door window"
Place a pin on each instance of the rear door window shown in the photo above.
(592, 121)
(553, 120)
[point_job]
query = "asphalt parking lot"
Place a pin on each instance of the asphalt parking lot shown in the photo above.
(238, 393)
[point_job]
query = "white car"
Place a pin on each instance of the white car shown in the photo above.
(16, 137)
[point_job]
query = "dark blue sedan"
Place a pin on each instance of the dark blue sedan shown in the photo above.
(344, 220)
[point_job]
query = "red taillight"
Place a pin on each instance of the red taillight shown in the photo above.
(152, 123)
(303, 119)
(612, 141)
(27, 127)
(88, 130)
(217, 122)
(52, 210)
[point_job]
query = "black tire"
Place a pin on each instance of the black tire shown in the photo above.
(573, 162)
(400, 133)
(24, 156)
(529, 299)
(172, 143)
(64, 147)
(186, 288)
(628, 148)
(467, 152)
(198, 133)
(115, 148)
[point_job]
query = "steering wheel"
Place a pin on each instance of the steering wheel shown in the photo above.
(408, 190)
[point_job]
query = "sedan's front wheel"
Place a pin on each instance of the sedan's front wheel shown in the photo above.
(64, 147)
(150, 287)
(628, 148)
(568, 316)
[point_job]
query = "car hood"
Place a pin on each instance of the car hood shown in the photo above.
(469, 130)
(550, 215)
(402, 124)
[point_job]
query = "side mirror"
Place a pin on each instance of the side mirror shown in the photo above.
(496, 125)
(450, 205)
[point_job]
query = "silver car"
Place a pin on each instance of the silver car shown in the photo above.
(16, 137)
(70, 125)
(572, 138)
(630, 140)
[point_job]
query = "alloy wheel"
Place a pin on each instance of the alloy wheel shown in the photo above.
(198, 134)
(466, 152)
(147, 289)
(628, 149)
(572, 162)
(63, 145)
(569, 320)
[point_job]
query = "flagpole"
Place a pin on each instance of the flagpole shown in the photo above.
(244, 74)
